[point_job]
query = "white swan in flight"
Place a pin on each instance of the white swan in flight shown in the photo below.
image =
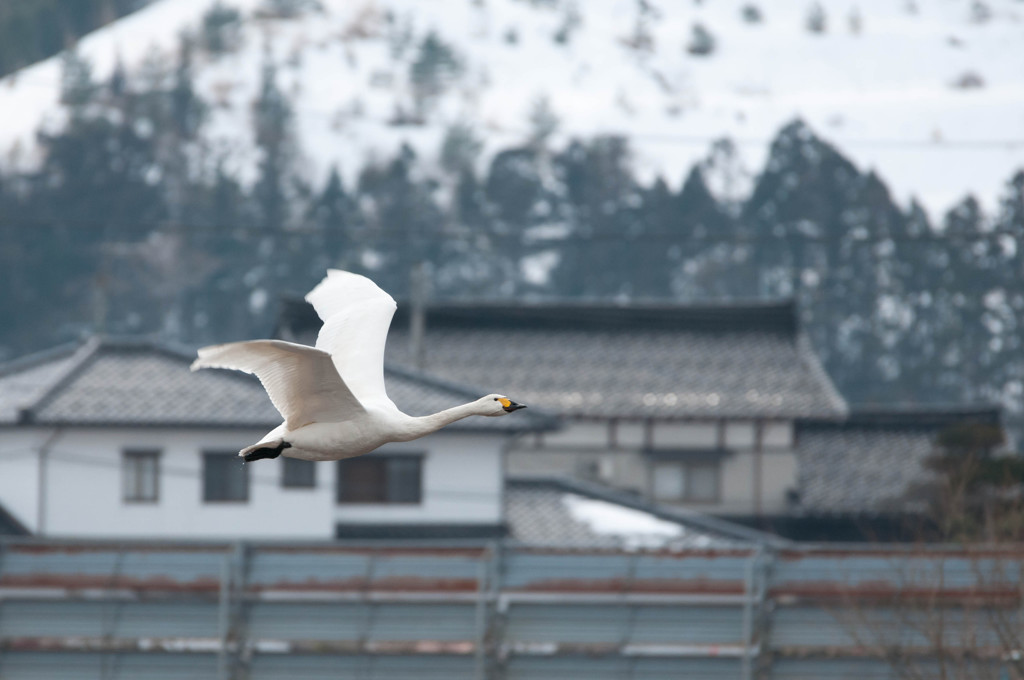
(332, 396)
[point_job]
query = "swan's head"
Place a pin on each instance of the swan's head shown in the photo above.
(498, 405)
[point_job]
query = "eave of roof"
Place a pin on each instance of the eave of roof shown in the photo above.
(10, 526)
(23, 363)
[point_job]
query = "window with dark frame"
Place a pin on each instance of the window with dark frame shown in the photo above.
(140, 472)
(225, 479)
(298, 474)
(380, 479)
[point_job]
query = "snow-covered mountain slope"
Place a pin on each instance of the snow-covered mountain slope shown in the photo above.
(930, 93)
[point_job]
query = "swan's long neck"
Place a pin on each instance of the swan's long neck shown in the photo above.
(424, 425)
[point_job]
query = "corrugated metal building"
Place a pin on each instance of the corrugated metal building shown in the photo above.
(401, 611)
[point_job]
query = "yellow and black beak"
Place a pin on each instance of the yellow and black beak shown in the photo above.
(508, 405)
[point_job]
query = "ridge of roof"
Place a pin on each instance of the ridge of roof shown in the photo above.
(697, 520)
(914, 415)
(101, 341)
(184, 352)
(87, 350)
(80, 359)
(779, 316)
(33, 359)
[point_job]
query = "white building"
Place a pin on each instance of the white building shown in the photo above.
(117, 438)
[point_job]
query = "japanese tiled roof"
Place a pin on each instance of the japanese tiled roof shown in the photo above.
(635, 361)
(140, 382)
(871, 463)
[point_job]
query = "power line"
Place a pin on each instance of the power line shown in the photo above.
(390, 236)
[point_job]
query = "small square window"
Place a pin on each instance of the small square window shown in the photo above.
(669, 481)
(380, 479)
(703, 482)
(298, 474)
(140, 473)
(224, 478)
(687, 481)
(404, 479)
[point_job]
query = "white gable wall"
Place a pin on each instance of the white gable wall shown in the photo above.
(84, 496)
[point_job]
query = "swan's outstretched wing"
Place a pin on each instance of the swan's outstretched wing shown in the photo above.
(300, 380)
(356, 315)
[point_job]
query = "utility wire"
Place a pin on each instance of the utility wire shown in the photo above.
(393, 236)
(75, 458)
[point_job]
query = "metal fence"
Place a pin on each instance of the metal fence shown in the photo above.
(498, 611)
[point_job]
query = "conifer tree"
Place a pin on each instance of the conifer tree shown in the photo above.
(459, 149)
(605, 222)
(436, 66)
(333, 218)
(404, 221)
(77, 87)
(272, 120)
(220, 31)
(707, 257)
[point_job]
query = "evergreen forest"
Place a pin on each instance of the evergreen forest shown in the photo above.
(132, 224)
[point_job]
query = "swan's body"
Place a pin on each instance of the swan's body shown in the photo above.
(332, 396)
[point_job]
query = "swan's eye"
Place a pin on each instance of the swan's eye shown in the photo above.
(495, 399)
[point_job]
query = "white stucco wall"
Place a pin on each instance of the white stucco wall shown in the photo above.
(461, 477)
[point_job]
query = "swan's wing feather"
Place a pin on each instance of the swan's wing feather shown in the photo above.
(301, 381)
(356, 315)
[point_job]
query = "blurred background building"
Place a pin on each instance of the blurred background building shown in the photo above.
(758, 270)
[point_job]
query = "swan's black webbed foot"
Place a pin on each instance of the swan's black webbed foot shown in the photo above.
(266, 452)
